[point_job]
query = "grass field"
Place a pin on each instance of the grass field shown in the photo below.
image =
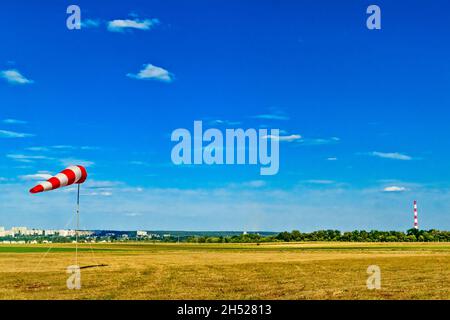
(227, 271)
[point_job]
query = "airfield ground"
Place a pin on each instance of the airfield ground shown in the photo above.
(226, 271)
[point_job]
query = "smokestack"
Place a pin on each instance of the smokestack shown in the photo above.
(416, 221)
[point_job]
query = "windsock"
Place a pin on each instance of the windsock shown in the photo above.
(70, 175)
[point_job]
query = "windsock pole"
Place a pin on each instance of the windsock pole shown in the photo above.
(73, 174)
(416, 221)
(78, 225)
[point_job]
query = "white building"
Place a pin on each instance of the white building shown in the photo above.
(66, 233)
(6, 233)
(35, 232)
(19, 230)
(141, 233)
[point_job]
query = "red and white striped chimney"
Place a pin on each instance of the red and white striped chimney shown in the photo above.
(416, 221)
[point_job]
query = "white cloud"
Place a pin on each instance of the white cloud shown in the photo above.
(103, 193)
(391, 155)
(151, 72)
(272, 117)
(14, 76)
(64, 161)
(275, 113)
(319, 141)
(318, 181)
(12, 134)
(120, 25)
(254, 183)
(290, 138)
(246, 185)
(72, 162)
(133, 214)
(36, 176)
(138, 163)
(26, 158)
(332, 159)
(37, 148)
(90, 23)
(394, 189)
(98, 187)
(62, 148)
(13, 121)
(223, 122)
(89, 148)
(102, 184)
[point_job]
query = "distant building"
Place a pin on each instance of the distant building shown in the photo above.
(49, 232)
(36, 232)
(6, 233)
(67, 233)
(141, 233)
(19, 230)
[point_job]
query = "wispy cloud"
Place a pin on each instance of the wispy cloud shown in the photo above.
(289, 138)
(254, 184)
(90, 23)
(73, 161)
(12, 134)
(391, 155)
(37, 149)
(245, 185)
(120, 25)
(319, 181)
(272, 117)
(102, 193)
(13, 76)
(61, 148)
(14, 121)
(274, 113)
(319, 141)
(102, 184)
(133, 214)
(394, 189)
(89, 148)
(215, 122)
(332, 159)
(141, 163)
(151, 72)
(26, 158)
(35, 177)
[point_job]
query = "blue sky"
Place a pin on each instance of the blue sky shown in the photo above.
(370, 107)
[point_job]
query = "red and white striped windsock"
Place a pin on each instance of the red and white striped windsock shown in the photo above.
(70, 175)
(416, 220)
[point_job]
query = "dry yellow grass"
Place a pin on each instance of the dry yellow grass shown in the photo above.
(228, 271)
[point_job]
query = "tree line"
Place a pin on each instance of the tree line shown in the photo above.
(411, 235)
